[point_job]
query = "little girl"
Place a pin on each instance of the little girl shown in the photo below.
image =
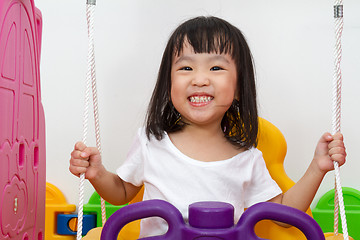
(200, 138)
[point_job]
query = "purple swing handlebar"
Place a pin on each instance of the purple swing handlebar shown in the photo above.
(213, 220)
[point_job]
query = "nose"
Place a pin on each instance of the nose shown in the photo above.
(201, 79)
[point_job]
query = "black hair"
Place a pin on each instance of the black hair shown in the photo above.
(208, 35)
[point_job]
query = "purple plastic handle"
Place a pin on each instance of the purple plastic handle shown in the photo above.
(280, 213)
(144, 209)
(178, 230)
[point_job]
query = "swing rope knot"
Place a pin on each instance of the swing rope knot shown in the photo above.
(338, 11)
(91, 2)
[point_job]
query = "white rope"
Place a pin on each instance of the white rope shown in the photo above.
(90, 85)
(91, 9)
(336, 119)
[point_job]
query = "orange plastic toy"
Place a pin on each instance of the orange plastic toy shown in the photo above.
(331, 236)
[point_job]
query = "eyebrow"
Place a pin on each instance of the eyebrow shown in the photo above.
(212, 58)
(184, 58)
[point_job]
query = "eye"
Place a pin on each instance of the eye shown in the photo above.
(186, 68)
(216, 68)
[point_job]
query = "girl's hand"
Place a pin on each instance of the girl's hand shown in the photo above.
(329, 148)
(85, 160)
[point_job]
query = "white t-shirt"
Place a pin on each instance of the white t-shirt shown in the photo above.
(168, 174)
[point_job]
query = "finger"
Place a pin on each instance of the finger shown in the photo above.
(336, 144)
(340, 158)
(77, 170)
(322, 147)
(326, 138)
(76, 155)
(338, 136)
(337, 148)
(79, 146)
(89, 151)
(79, 163)
(83, 155)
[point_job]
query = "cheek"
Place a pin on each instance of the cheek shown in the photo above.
(228, 92)
(173, 89)
(178, 88)
(176, 95)
(174, 92)
(176, 101)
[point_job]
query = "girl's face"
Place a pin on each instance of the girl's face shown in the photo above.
(203, 85)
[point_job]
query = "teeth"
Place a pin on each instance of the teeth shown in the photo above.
(200, 99)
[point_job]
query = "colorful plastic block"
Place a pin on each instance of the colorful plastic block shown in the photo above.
(67, 223)
(22, 122)
(324, 211)
(55, 204)
(94, 206)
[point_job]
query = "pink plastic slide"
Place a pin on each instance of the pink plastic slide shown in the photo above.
(22, 123)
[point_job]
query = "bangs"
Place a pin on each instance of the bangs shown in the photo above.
(205, 35)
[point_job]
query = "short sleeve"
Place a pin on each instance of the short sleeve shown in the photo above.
(132, 170)
(262, 187)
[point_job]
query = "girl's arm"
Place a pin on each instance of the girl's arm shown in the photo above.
(108, 185)
(329, 148)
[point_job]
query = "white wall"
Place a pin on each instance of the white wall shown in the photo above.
(292, 43)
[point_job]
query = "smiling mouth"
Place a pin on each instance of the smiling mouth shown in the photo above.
(200, 99)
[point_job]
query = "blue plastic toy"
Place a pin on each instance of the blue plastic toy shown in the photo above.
(64, 228)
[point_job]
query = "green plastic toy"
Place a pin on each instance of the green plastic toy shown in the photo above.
(323, 213)
(94, 207)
